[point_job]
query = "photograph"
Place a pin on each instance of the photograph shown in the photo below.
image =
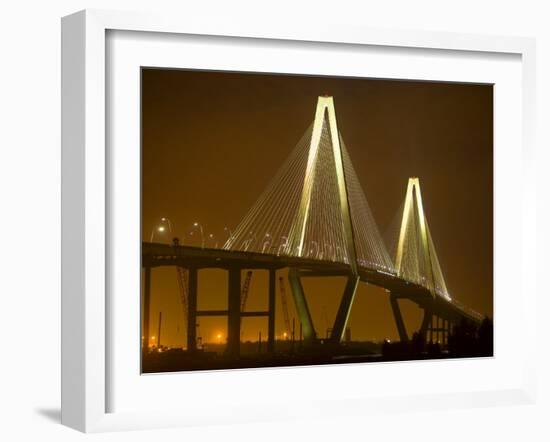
(299, 220)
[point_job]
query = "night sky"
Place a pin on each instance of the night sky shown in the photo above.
(211, 142)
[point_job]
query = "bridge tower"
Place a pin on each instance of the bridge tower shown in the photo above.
(325, 121)
(314, 208)
(415, 257)
(324, 134)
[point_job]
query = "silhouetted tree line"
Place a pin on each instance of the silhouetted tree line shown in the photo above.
(466, 340)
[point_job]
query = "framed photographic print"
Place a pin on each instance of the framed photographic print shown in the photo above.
(287, 264)
(266, 214)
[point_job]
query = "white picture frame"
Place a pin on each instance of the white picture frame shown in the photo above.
(86, 205)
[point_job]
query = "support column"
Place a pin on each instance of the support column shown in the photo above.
(234, 312)
(426, 321)
(146, 308)
(271, 311)
(339, 327)
(192, 310)
(301, 304)
(398, 319)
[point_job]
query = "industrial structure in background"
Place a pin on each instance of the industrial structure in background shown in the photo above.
(284, 305)
(245, 289)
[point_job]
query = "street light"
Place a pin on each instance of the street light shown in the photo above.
(161, 228)
(229, 235)
(316, 249)
(282, 245)
(166, 220)
(197, 224)
(211, 237)
(328, 252)
(267, 242)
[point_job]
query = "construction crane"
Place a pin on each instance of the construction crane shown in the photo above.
(285, 305)
(244, 290)
(182, 284)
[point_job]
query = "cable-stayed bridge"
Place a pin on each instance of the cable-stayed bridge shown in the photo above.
(314, 219)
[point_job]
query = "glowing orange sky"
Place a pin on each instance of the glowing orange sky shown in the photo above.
(212, 141)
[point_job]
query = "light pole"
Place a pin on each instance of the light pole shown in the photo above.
(161, 228)
(329, 254)
(229, 235)
(167, 221)
(316, 249)
(211, 237)
(267, 242)
(338, 253)
(199, 225)
(282, 245)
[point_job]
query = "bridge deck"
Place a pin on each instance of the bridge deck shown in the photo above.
(157, 255)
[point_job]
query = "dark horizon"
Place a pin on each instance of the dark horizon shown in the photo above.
(211, 141)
